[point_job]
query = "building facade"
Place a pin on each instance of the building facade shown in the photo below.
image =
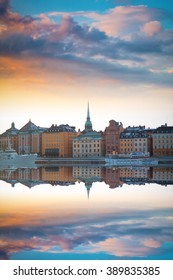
(11, 135)
(163, 141)
(112, 137)
(57, 141)
(135, 140)
(89, 143)
(29, 139)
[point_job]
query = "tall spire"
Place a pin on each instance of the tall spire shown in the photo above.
(88, 123)
(88, 113)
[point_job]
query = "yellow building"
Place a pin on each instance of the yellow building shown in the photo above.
(57, 141)
(89, 143)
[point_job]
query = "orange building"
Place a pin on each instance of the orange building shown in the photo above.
(57, 141)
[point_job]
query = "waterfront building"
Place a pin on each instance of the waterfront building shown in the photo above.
(29, 139)
(57, 141)
(163, 141)
(112, 137)
(89, 143)
(135, 140)
(11, 135)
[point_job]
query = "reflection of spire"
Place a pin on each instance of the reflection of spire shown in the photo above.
(88, 186)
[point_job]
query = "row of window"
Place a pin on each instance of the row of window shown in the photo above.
(86, 141)
(163, 136)
(86, 151)
(131, 150)
(85, 155)
(86, 145)
(163, 147)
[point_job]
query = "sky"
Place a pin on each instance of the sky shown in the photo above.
(55, 56)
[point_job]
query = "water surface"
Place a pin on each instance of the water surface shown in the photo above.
(82, 212)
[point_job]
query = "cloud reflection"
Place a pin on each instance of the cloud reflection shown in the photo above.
(143, 236)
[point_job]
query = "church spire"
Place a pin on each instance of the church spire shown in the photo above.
(88, 123)
(88, 113)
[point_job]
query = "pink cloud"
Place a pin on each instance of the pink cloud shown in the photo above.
(121, 247)
(122, 19)
(151, 243)
(151, 28)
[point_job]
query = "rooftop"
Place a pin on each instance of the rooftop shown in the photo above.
(61, 128)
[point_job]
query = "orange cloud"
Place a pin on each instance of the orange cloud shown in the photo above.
(170, 71)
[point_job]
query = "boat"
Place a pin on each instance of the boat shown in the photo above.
(10, 159)
(131, 162)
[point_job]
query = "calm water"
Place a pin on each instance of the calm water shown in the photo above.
(86, 213)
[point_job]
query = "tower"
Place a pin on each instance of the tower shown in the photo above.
(88, 123)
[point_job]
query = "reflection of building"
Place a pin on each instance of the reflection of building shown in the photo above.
(57, 175)
(89, 143)
(27, 176)
(163, 141)
(65, 176)
(134, 172)
(112, 137)
(88, 175)
(135, 175)
(87, 172)
(57, 141)
(112, 177)
(135, 139)
(29, 139)
(10, 134)
(163, 175)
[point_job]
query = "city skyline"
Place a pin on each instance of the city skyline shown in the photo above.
(57, 56)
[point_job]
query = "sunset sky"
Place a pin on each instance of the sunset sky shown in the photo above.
(55, 56)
